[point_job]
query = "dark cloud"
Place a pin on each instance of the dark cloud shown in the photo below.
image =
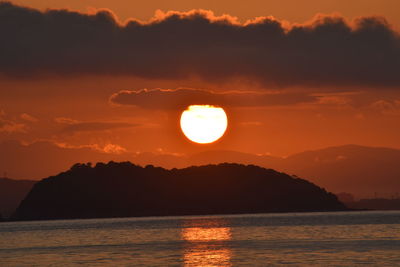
(326, 52)
(180, 98)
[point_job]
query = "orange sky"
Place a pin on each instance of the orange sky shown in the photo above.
(291, 10)
(76, 111)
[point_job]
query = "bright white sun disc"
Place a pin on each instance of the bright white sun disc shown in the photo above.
(204, 123)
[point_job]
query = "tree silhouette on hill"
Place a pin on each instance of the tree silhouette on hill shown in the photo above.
(124, 189)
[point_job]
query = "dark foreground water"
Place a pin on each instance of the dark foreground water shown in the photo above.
(320, 239)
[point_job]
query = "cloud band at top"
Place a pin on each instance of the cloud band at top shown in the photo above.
(326, 52)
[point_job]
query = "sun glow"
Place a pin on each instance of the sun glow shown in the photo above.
(204, 123)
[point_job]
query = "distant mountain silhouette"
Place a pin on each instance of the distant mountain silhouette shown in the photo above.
(12, 192)
(362, 171)
(375, 204)
(124, 189)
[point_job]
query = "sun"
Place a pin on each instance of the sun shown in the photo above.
(204, 124)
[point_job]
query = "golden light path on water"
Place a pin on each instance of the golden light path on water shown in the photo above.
(350, 238)
(206, 246)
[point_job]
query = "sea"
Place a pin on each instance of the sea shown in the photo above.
(362, 238)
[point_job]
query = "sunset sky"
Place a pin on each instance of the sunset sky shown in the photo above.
(114, 76)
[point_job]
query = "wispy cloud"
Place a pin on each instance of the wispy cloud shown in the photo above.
(74, 126)
(178, 98)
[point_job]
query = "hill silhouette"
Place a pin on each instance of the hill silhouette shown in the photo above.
(365, 172)
(12, 192)
(124, 189)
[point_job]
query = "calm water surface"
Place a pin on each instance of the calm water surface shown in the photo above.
(320, 239)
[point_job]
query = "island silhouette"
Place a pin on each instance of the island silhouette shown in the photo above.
(125, 190)
(365, 172)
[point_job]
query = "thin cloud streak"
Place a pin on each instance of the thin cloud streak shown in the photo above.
(170, 99)
(74, 126)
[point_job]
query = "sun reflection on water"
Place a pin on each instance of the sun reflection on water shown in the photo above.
(206, 245)
(206, 234)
